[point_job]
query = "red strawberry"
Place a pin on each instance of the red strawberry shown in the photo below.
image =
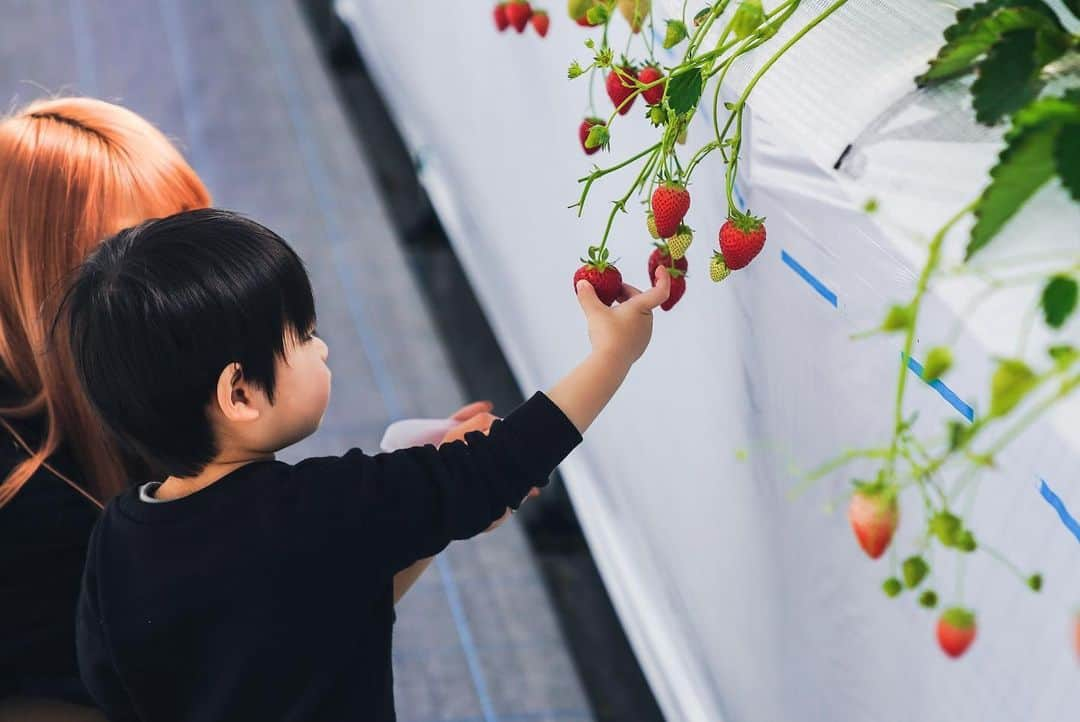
(620, 88)
(647, 75)
(607, 281)
(583, 133)
(956, 631)
(540, 22)
(873, 514)
(670, 202)
(678, 288)
(501, 21)
(660, 256)
(741, 238)
(1076, 633)
(518, 13)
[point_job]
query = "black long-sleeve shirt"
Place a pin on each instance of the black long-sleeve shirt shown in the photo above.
(44, 532)
(269, 594)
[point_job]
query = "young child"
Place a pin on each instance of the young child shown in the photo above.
(240, 587)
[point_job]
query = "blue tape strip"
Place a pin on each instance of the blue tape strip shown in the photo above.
(1059, 506)
(319, 178)
(946, 393)
(472, 657)
(827, 293)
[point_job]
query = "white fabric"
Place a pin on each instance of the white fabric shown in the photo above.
(147, 493)
(741, 604)
(415, 432)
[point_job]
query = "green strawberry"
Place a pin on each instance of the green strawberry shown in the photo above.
(718, 269)
(679, 243)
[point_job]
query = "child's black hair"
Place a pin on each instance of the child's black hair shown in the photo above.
(156, 313)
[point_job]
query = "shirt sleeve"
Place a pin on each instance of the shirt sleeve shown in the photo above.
(95, 660)
(416, 501)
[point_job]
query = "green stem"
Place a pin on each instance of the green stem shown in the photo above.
(783, 49)
(621, 203)
(909, 340)
(600, 173)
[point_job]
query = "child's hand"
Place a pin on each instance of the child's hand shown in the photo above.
(623, 331)
(467, 412)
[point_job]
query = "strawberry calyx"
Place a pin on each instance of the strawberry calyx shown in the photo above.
(878, 490)
(745, 222)
(598, 258)
(959, 618)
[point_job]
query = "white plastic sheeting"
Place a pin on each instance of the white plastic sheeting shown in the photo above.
(741, 604)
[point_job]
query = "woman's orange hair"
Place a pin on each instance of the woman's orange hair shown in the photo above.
(72, 172)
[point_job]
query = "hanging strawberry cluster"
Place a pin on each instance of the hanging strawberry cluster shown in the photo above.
(671, 96)
(519, 13)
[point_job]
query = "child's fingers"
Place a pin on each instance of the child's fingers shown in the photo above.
(628, 292)
(648, 300)
(480, 422)
(586, 295)
(470, 410)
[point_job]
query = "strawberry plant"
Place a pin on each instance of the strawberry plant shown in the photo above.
(714, 39)
(1025, 66)
(1026, 69)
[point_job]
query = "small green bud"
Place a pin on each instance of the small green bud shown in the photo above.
(747, 18)
(938, 362)
(871, 205)
(959, 434)
(657, 115)
(965, 541)
(946, 527)
(928, 599)
(597, 15)
(892, 587)
(897, 319)
(1035, 582)
(1010, 383)
(915, 570)
(676, 33)
(574, 71)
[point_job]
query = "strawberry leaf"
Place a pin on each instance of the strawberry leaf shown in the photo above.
(1067, 157)
(1059, 300)
(1026, 163)
(684, 90)
(961, 54)
(1008, 78)
(966, 18)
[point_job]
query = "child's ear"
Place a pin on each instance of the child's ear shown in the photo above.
(235, 396)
